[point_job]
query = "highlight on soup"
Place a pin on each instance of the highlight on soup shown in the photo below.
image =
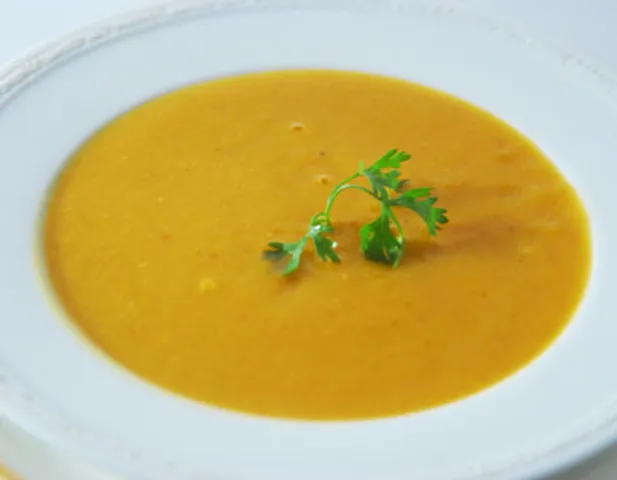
(155, 231)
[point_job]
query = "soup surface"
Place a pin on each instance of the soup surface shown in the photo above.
(155, 231)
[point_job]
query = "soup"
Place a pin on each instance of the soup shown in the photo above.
(155, 231)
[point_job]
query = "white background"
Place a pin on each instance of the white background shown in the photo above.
(582, 27)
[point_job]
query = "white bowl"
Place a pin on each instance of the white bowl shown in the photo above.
(559, 410)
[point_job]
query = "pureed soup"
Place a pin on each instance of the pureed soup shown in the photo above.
(155, 233)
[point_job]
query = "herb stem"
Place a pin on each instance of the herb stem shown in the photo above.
(378, 239)
(340, 188)
(387, 211)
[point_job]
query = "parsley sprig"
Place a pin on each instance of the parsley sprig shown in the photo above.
(382, 239)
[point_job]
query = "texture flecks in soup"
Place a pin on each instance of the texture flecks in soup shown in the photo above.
(155, 231)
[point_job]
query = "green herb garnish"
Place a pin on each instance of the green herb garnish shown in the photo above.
(381, 240)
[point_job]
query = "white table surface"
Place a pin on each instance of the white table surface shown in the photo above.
(584, 27)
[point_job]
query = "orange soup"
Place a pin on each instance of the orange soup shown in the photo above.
(155, 231)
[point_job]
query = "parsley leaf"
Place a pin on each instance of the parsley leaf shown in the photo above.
(379, 244)
(319, 227)
(420, 201)
(380, 240)
(278, 251)
(392, 159)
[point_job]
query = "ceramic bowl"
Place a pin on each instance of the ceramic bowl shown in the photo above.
(557, 411)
